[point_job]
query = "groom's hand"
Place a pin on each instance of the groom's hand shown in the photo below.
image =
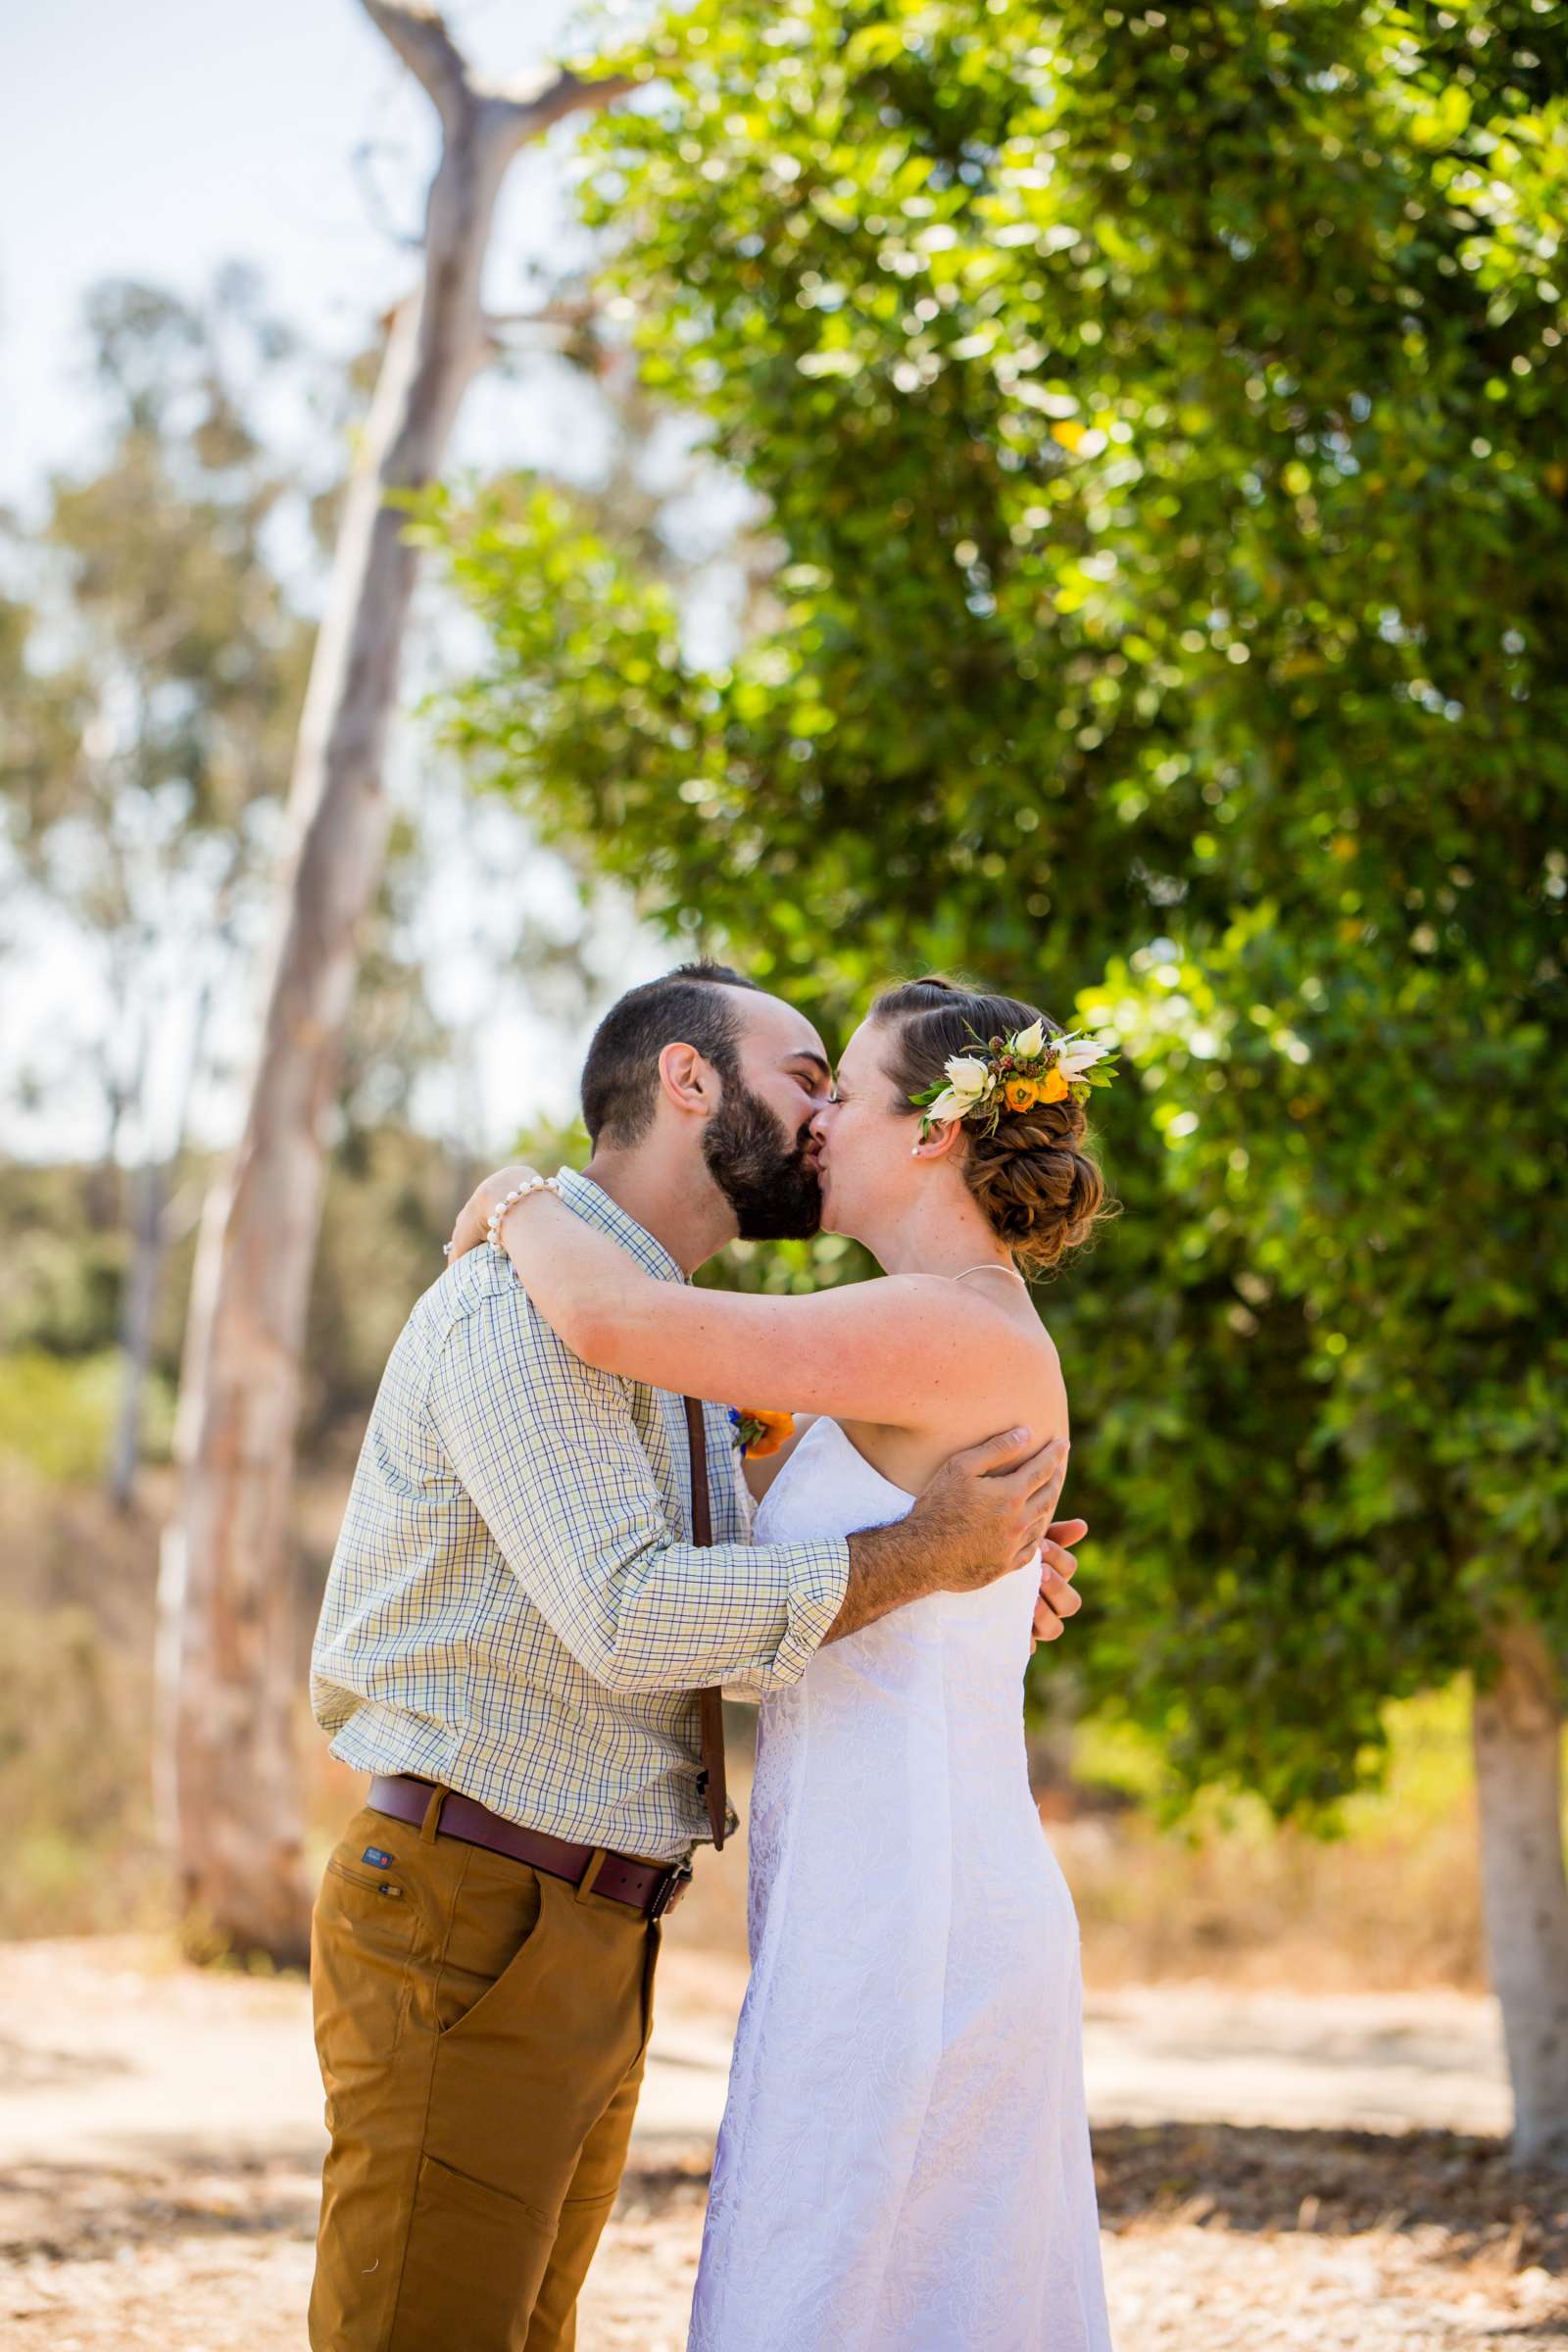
(987, 1509)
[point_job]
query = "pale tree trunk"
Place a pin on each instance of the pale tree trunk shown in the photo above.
(226, 1646)
(138, 1308)
(149, 1248)
(1518, 1725)
(137, 1289)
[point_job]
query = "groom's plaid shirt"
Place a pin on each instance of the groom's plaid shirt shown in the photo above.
(516, 1608)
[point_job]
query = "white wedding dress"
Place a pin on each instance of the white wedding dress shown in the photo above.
(904, 2164)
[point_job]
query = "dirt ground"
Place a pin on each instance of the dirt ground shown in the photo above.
(1275, 2171)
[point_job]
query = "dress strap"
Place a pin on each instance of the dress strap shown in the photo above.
(989, 1267)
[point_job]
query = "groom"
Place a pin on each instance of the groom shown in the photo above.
(542, 1576)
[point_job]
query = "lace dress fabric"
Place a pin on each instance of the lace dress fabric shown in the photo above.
(904, 2164)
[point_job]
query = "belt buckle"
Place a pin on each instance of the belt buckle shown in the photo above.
(672, 1888)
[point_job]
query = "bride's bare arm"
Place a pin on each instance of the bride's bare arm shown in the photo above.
(893, 1351)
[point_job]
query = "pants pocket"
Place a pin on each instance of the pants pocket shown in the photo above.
(362, 1949)
(495, 1924)
(472, 2266)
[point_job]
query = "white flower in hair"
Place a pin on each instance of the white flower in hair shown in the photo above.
(1077, 1055)
(1028, 1042)
(968, 1081)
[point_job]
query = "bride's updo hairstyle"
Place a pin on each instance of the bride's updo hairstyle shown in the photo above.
(1034, 1179)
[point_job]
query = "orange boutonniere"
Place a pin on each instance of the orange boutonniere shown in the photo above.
(760, 1433)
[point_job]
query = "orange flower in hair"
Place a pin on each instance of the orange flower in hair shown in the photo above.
(1021, 1093)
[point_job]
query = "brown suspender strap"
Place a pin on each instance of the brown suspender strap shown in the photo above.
(709, 1703)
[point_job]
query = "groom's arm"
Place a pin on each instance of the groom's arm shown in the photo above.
(983, 1513)
(548, 1449)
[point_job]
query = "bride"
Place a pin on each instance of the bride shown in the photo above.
(904, 2164)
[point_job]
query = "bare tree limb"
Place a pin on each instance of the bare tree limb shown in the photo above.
(530, 103)
(418, 34)
(534, 102)
(581, 312)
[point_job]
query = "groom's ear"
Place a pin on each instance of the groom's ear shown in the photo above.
(688, 1080)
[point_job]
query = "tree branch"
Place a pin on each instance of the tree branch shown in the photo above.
(418, 34)
(536, 101)
(580, 313)
(527, 104)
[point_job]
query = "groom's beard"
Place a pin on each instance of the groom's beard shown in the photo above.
(761, 1174)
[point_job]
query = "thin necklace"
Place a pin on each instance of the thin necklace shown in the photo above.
(989, 1267)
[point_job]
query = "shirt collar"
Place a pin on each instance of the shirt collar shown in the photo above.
(586, 1200)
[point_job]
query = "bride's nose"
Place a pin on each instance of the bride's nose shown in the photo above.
(818, 1122)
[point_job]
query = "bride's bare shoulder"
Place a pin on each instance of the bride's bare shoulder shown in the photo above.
(1010, 1359)
(996, 1307)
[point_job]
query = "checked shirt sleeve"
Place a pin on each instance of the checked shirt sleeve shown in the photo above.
(548, 1449)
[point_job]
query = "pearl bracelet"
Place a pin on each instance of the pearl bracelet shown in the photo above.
(519, 1191)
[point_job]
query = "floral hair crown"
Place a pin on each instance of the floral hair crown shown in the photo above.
(1013, 1073)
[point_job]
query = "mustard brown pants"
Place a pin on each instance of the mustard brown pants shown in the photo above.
(481, 2028)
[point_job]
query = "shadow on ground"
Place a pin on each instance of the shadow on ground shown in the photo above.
(34, 2066)
(1457, 2190)
(74, 2213)
(1262, 2179)
(1342, 2241)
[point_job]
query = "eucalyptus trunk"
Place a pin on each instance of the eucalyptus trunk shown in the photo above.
(227, 1641)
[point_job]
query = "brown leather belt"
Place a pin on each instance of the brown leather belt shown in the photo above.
(648, 1887)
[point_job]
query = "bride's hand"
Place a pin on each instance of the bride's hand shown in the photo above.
(473, 1216)
(1058, 1598)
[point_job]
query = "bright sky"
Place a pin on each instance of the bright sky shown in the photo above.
(162, 139)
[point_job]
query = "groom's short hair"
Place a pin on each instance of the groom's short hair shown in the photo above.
(688, 1007)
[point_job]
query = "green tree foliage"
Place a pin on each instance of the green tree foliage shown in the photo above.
(1159, 416)
(156, 669)
(391, 1199)
(151, 674)
(152, 663)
